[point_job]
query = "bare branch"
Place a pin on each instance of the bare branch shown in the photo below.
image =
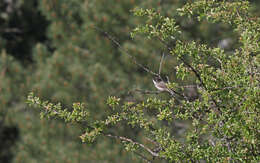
(152, 141)
(146, 92)
(194, 71)
(135, 143)
(125, 51)
(160, 68)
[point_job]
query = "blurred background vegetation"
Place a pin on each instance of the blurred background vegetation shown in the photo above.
(50, 47)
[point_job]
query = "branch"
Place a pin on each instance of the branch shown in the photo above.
(194, 71)
(135, 143)
(174, 93)
(123, 50)
(171, 91)
(160, 68)
(143, 157)
(152, 141)
(146, 92)
(224, 88)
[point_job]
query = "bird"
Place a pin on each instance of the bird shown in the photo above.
(162, 87)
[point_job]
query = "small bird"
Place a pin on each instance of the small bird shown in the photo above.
(161, 85)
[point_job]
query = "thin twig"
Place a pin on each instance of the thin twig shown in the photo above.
(160, 68)
(143, 157)
(152, 141)
(173, 93)
(194, 71)
(146, 92)
(154, 154)
(135, 143)
(125, 51)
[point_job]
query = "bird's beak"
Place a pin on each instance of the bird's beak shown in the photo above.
(154, 82)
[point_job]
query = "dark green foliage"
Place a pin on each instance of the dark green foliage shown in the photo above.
(8, 137)
(21, 27)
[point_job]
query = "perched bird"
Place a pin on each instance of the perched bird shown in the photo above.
(162, 86)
